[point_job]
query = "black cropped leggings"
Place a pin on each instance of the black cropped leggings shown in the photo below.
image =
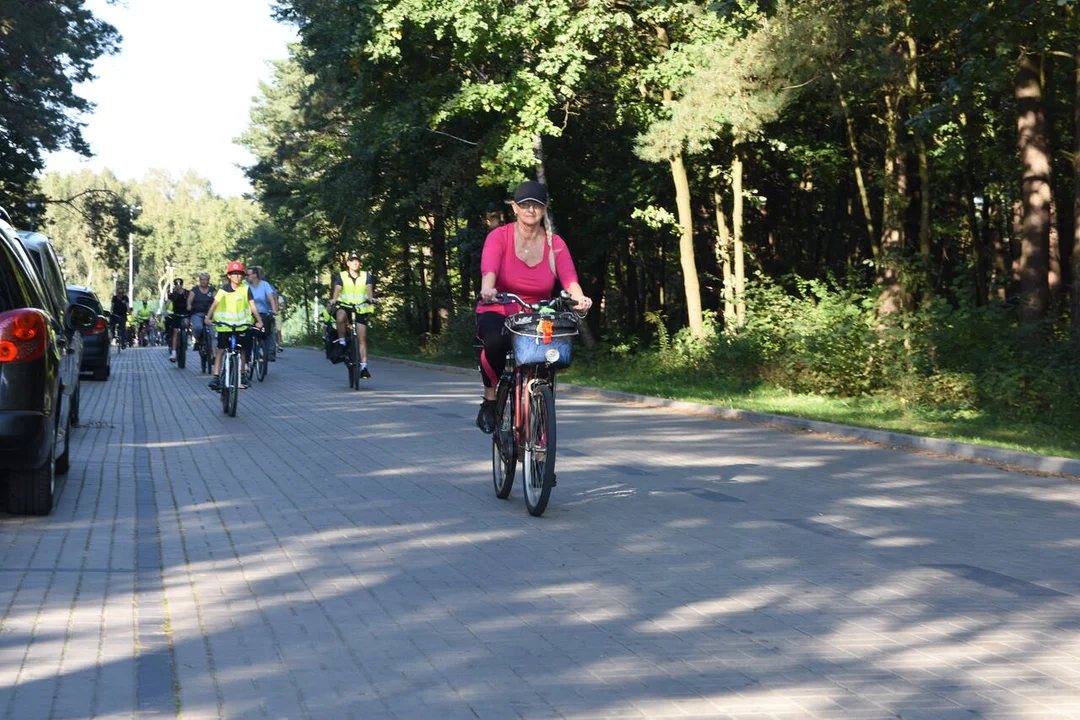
(492, 335)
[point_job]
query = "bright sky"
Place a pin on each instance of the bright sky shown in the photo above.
(179, 91)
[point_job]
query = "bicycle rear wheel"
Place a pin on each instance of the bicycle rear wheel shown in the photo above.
(503, 447)
(234, 386)
(539, 456)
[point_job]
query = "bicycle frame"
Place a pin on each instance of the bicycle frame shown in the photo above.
(234, 346)
(525, 380)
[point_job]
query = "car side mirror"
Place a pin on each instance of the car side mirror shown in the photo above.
(80, 317)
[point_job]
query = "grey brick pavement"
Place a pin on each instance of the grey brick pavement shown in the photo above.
(329, 554)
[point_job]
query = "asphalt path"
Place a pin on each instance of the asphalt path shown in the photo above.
(330, 554)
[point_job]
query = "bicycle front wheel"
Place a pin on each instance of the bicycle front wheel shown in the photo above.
(234, 386)
(503, 446)
(259, 358)
(354, 363)
(265, 359)
(181, 349)
(206, 353)
(539, 455)
(223, 382)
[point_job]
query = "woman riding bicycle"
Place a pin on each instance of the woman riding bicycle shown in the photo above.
(266, 300)
(523, 258)
(199, 301)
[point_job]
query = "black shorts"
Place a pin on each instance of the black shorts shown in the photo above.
(172, 322)
(243, 338)
(358, 318)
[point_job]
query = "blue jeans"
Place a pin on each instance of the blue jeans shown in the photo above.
(198, 322)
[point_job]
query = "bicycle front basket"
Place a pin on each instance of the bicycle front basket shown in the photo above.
(543, 338)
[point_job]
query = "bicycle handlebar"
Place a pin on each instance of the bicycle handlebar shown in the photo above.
(562, 302)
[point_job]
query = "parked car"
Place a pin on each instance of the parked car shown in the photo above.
(47, 262)
(97, 342)
(39, 378)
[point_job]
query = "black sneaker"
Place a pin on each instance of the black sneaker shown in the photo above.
(214, 385)
(485, 419)
(364, 374)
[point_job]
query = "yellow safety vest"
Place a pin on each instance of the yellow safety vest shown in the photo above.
(354, 292)
(233, 308)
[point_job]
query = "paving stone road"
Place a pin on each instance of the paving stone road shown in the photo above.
(336, 554)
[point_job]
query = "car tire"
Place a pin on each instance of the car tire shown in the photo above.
(75, 401)
(63, 463)
(32, 492)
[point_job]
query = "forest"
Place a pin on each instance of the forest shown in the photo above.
(848, 198)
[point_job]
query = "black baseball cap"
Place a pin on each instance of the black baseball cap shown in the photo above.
(352, 256)
(531, 190)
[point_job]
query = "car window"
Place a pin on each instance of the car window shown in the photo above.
(84, 298)
(54, 278)
(9, 294)
(18, 288)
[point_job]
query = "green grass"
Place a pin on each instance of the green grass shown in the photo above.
(871, 412)
(877, 413)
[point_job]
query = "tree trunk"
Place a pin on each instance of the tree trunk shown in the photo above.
(915, 89)
(440, 275)
(424, 294)
(738, 255)
(1054, 270)
(691, 285)
(1001, 276)
(723, 256)
(892, 215)
(978, 252)
(856, 165)
(1075, 279)
(1035, 190)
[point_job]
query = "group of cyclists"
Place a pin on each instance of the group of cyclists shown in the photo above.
(522, 257)
(244, 301)
(130, 325)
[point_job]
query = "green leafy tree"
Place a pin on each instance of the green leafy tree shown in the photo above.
(45, 49)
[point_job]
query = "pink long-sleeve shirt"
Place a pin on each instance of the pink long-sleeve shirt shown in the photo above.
(532, 284)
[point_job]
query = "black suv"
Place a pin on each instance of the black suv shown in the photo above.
(97, 342)
(38, 377)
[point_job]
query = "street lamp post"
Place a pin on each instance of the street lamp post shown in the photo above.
(133, 212)
(168, 287)
(131, 266)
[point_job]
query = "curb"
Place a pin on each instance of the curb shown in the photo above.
(1048, 464)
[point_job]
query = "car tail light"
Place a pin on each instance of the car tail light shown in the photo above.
(99, 328)
(23, 335)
